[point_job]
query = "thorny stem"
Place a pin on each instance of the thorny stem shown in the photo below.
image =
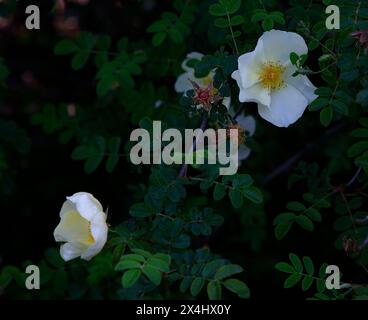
(308, 34)
(357, 13)
(232, 33)
(356, 175)
(343, 197)
(294, 158)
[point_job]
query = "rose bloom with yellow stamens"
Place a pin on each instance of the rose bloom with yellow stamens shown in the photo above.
(82, 227)
(184, 81)
(265, 76)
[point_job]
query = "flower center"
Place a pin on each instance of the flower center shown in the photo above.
(271, 74)
(208, 81)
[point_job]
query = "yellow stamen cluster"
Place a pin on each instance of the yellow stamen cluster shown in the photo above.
(208, 81)
(271, 75)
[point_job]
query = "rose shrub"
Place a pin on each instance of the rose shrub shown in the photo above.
(72, 92)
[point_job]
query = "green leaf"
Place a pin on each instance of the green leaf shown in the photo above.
(305, 222)
(306, 283)
(284, 267)
(227, 271)
(343, 223)
(313, 44)
(65, 47)
(292, 280)
(52, 256)
(295, 206)
(236, 20)
(323, 91)
(5, 280)
(222, 23)
(325, 116)
(157, 26)
(113, 158)
(253, 194)
(294, 58)
(313, 214)
(259, 16)
(282, 229)
(214, 290)
(308, 264)
(231, 5)
(318, 104)
(267, 23)
(284, 218)
(93, 153)
(127, 264)
(360, 133)
(164, 257)
(211, 267)
(278, 17)
(141, 210)
(219, 192)
(134, 257)
(350, 75)
(159, 38)
(130, 277)
(141, 252)
(158, 264)
(357, 148)
(152, 274)
(80, 59)
(362, 161)
(236, 198)
(175, 35)
(217, 10)
(362, 97)
(184, 285)
(196, 286)
(238, 287)
(297, 263)
(340, 107)
(242, 181)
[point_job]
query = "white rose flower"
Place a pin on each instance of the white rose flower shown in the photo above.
(183, 84)
(83, 227)
(265, 76)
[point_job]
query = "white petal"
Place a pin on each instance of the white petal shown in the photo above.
(243, 152)
(277, 45)
(287, 106)
(255, 93)
(236, 76)
(303, 84)
(182, 83)
(248, 123)
(99, 232)
(67, 206)
(69, 251)
(249, 65)
(226, 102)
(86, 204)
(72, 228)
(190, 56)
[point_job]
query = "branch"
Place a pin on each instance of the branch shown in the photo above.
(294, 158)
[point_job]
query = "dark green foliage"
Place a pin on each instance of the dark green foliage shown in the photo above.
(184, 232)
